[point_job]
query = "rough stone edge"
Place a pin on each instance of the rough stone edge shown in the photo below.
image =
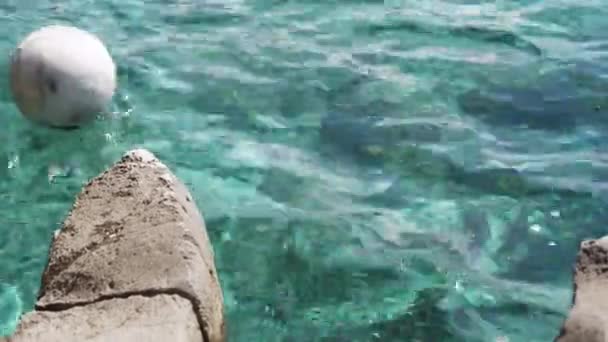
(125, 295)
(143, 156)
(26, 320)
(587, 319)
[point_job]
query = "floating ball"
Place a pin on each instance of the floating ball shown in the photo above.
(62, 76)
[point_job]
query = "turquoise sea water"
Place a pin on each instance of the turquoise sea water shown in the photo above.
(368, 170)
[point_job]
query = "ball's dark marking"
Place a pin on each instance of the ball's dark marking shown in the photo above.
(52, 85)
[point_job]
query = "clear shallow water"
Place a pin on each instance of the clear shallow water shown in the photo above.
(368, 170)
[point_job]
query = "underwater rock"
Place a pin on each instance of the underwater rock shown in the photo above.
(555, 101)
(373, 137)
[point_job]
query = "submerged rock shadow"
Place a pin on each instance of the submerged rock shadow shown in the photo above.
(559, 100)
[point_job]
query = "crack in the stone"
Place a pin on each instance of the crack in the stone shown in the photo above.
(55, 307)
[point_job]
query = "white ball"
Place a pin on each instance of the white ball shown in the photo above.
(62, 76)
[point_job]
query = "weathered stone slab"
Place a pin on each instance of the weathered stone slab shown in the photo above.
(159, 318)
(588, 318)
(134, 229)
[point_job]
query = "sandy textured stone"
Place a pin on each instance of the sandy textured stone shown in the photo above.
(160, 318)
(134, 229)
(588, 318)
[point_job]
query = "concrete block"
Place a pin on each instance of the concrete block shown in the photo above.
(134, 230)
(159, 318)
(588, 317)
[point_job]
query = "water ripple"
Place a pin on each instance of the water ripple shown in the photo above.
(367, 169)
